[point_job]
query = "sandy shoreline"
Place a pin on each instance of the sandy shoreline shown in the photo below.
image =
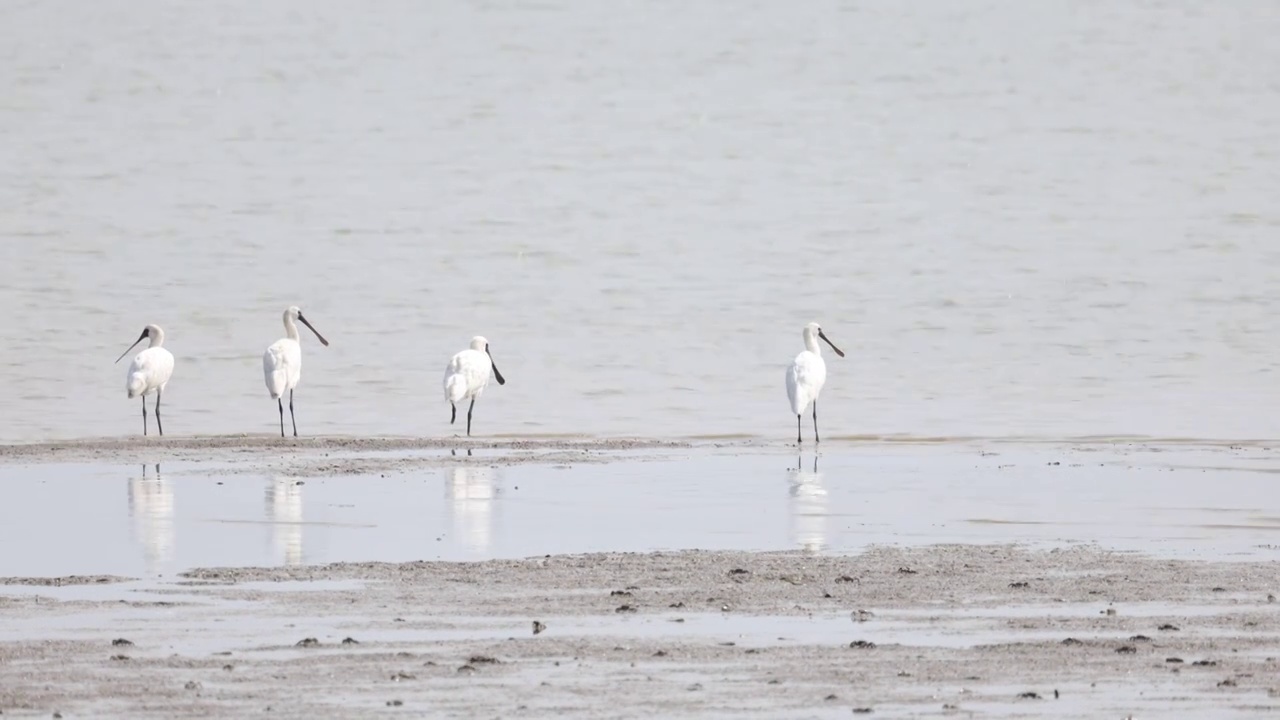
(334, 455)
(929, 631)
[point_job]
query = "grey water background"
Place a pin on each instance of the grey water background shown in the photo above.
(1049, 219)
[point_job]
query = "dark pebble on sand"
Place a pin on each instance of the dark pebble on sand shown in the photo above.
(1019, 585)
(538, 627)
(1205, 663)
(1072, 641)
(308, 642)
(1140, 638)
(1126, 649)
(483, 660)
(395, 703)
(1028, 696)
(862, 711)
(192, 685)
(862, 644)
(350, 641)
(906, 571)
(626, 609)
(1174, 660)
(120, 642)
(1227, 683)
(1167, 626)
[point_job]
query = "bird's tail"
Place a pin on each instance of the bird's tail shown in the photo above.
(455, 388)
(136, 385)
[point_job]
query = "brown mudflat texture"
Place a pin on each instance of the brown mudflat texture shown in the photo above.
(333, 455)
(942, 631)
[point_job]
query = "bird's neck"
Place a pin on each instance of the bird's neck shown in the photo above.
(291, 329)
(811, 344)
(157, 339)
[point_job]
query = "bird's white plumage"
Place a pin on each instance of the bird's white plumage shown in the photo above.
(282, 362)
(151, 369)
(282, 366)
(807, 374)
(468, 373)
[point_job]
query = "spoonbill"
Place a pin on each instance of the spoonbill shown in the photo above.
(149, 372)
(467, 375)
(806, 376)
(282, 364)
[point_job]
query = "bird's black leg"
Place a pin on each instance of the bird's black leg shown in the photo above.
(144, 415)
(815, 422)
(798, 439)
(158, 423)
(453, 413)
(469, 409)
(292, 419)
(280, 404)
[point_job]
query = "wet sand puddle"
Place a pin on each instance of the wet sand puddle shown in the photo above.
(162, 518)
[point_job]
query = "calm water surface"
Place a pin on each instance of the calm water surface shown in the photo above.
(1050, 218)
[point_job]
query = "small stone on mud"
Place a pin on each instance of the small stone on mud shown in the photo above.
(1110, 611)
(1227, 683)
(1175, 660)
(1019, 584)
(739, 571)
(120, 642)
(1028, 696)
(626, 609)
(620, 593)
(228, 668)
(350, 641)
(831, 697)
(483, 660)
(861, 615)
(466, 670)
(676, 605)
(1218, 589)
(1167, 626)
(120, 658)
(192, 685)
(1140, 638)
(395, 703)
(402, 676)
(846, 579)
(308, 642)
(906, 571)
(694, 687)
(1072, 641)
(862, 711)
(1126, 649)
(660, 653)
(538, 627)
(862, 644)
(1205, 663)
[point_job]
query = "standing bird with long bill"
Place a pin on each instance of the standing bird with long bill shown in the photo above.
(282, 364)
(149, 372)
(467, 375)
(807, 375)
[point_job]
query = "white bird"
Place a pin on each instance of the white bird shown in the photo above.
(282, 364)
(149, 372)
(807, 375)
(467, 375)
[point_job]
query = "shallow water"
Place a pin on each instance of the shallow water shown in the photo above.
(1171, 501)
(1052, 220)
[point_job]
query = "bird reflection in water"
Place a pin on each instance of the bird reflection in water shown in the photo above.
(151, 516)
(284, 515)
(808, 506)
(472, 490)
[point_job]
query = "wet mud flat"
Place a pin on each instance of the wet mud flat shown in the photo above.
(938, 631)
(333, 455)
